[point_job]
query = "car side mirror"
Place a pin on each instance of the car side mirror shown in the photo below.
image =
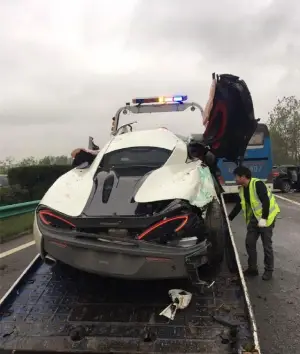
(83, 166)
(92, 145)
(196, 150)
(83, 159)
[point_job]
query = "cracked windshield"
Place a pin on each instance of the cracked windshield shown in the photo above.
(149, 176)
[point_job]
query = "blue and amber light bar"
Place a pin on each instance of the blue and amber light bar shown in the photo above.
(161, 99)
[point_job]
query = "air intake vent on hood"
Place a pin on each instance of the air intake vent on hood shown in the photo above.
(107, 187)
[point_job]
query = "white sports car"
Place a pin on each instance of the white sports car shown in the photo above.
(146, 205)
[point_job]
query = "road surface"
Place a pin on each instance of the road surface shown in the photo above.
(12, 266)
(276, 304)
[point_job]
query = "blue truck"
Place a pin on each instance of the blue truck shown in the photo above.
(258, 158)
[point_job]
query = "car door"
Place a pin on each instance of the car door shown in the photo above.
(231, 121)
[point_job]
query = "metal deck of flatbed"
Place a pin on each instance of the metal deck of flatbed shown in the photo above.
(62, 309)
(57, 308)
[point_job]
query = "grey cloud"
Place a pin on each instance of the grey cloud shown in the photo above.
(223, 30)
(248, 38)
(51, 84)
(68, 99)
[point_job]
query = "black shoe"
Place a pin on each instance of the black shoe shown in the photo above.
(250, 272)
(267, 275)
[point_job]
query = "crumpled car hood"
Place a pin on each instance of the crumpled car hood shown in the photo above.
(190, 181)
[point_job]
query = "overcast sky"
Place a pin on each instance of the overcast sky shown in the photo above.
(66, 66)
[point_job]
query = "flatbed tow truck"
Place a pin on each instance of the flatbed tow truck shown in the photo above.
(53, 308)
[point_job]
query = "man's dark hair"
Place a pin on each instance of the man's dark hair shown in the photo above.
(242, 171)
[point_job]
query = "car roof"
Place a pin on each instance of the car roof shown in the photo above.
(160, 138)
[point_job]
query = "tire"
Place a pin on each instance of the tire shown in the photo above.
(229, 254)
(285, 186)
(216, 231)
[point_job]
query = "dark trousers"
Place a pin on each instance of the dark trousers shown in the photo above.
(266, 233)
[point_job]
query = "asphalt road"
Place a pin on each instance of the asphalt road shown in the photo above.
(13, 265)
(292, 196)
(276, 304)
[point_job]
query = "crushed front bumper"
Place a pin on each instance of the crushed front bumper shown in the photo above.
(138, 260)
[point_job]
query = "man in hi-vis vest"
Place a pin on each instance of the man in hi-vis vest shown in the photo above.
(260, 209)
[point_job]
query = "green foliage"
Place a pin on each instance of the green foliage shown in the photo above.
(284, 126)
(10, 162)
(36, 179)
(15, 225)
(13, 195)
(55, 160)
(30, 178)
(6, 164)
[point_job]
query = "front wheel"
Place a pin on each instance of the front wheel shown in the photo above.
(216, 232)
(285, 186)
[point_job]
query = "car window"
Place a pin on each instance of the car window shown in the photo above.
(136, 156)
(257, 139)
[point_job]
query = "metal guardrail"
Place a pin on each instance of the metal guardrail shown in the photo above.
(18, 209)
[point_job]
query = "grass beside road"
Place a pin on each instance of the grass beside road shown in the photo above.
(13, 226)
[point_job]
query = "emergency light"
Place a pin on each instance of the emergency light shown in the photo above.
(161, 99)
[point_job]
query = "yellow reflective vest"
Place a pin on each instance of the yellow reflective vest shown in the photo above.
(255, 203)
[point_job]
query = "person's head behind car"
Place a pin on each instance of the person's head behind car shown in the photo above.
(242, 175)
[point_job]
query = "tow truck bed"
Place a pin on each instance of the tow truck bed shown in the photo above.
(60, 309)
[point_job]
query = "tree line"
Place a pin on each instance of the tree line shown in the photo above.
(10, 162)
(30, 178)
(284, 126)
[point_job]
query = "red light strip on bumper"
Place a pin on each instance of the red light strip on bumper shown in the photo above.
(43, 213)
(155, 226)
